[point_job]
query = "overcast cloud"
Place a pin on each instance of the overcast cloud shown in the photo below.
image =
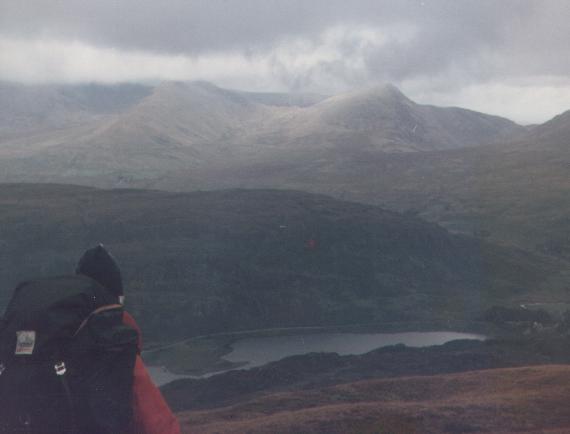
(508, 57)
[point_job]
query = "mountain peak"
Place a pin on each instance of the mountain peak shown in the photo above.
(386, 94)
(562, 118)
(388, 91)
(556, 129)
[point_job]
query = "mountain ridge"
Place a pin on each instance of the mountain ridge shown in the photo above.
(190, 136)
(178, 125)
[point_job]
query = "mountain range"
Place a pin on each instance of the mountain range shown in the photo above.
(429, 215)
(472, 173)
(136, 135)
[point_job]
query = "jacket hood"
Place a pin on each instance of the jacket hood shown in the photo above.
(98, 264)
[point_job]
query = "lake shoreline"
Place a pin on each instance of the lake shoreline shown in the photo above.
(313, 370)
(204, 356)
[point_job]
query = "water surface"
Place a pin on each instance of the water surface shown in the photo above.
(259, 351)
(253, 352)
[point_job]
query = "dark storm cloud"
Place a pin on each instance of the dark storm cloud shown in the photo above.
(175, 26)
(323, 45)
(448, 31)
(191, 26)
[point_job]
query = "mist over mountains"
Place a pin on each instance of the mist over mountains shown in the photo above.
(28, 109)
(273, 220)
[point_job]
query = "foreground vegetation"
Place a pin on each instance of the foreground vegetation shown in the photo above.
(531, 400)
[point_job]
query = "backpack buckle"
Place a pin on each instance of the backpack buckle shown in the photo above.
(60, 368)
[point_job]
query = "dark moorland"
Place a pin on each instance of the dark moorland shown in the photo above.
(237, 260)
(529, 400)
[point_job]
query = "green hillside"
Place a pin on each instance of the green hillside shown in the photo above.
(204, 262)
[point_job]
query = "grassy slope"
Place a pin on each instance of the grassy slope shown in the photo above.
(516, 400)
(515, 193)
(204, 262)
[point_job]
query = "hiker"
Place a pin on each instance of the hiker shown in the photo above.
(70, 358)
(151, 414)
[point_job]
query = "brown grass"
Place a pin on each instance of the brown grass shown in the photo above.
(529, 400)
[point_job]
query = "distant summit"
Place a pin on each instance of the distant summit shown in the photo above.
(556, 129)
(31, 109)
(384, 119)
(387, 92)
(131, 135)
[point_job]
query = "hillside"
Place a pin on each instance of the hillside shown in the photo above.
(507, 401)
(515, 192)
(374, 146)
(320, 370)
(30, 109)
(384, 119)
(75, 135)
(238, 260)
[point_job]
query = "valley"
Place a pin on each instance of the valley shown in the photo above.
(502, 385)
(244, 218)
(236, 260)
(472, 173)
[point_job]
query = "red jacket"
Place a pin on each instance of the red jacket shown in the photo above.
(151, 414)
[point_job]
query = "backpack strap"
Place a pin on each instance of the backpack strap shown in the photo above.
(95, 312)
(60, 371)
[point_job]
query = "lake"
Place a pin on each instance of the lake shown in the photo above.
(253, 352)
(259, 351)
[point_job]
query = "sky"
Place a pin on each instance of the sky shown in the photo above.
(505, 57)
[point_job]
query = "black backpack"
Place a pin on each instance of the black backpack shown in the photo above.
(66, 360)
